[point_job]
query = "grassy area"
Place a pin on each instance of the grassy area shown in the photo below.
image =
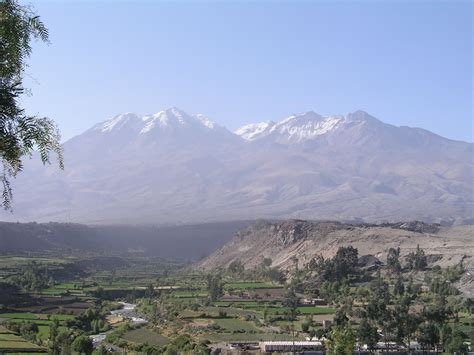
(36, 316)
(143, 335)
(250, 285)
(11, 342)
(316, 310)
(241, 304)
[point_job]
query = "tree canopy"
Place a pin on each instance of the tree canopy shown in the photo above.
(20, 133)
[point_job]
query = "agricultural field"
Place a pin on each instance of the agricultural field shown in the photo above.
(148, 305)
(145, 336)
(12, 343)
(249, 285)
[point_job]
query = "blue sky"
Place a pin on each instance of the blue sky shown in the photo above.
(405, 62)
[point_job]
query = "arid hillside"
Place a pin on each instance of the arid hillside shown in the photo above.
(303, 240)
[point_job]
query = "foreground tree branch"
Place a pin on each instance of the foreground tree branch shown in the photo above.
(20, 134)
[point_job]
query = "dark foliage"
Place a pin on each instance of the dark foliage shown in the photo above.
(20, 134)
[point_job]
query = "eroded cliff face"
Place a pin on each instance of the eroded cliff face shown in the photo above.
(287, 241)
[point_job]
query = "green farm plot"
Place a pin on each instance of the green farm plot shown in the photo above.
(35, 316)
(250, 285)
(10, 342)
(19, 315)
(240, 304)
(234, 325)
(143, 335)
(62, 288)
(15, 261)
(41, 320)
(43, 325)
(316, 310)
(8, 337)
(43, 331)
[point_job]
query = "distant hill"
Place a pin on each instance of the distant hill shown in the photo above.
(172, 167)
(285, 240)
(186, 242)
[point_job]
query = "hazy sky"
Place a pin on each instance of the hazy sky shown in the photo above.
(405, 62)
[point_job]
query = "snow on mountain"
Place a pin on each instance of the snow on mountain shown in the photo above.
(122, 121)
(171, 118)
(296, 128)
(303, 127)
(205, 121)
(254, 131)
(172, 167)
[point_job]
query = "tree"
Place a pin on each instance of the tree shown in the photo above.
(455, 343)
(236, 267)
(305, 327)
(403, 323)
(377, 308)
(60, 341)
(33, 277)
(83, 345)
(399, 288)
(367, 333)
(266, 263)
(102, 350)
(393, 260)
(291, 302)
(275, 274)
(20, 134)
(171, 350)
(214, 287)
(428, 335)
(417, 260)
(53, 334)
(150, 291)
(340, 318)
(342, 341)
(339, 267)
(345, 261)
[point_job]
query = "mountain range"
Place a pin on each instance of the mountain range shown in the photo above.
(172, 167)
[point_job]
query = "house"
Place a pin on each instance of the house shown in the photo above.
(271, 346)
(313, 302)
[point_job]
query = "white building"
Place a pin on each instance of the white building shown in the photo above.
(269, 346)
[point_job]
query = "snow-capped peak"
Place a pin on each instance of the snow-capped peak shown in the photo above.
(295, 128)
(254, 131)
(307, 126)
(309, 116)
(117, 122)
(205, 121)
(170, 119)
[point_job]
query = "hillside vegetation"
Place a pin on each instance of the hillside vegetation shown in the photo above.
(297, 241)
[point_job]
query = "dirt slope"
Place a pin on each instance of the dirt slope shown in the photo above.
(295, 238)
